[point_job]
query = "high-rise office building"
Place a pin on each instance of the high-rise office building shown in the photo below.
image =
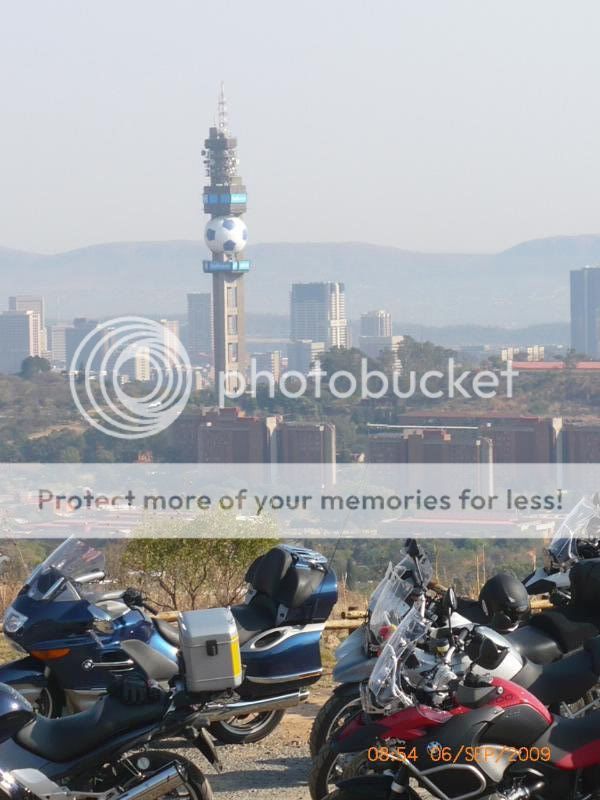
(226, 235)
(304, 355)
(376, 323)
(34, 303)
(376, 337)
(199, 327)
(378, 347)
(585, 310)
(142, 370)
(57, 343)
(19, 338)
(28, 302)
(269, 362)
(74, 337)
(170, 340)
(318, 313)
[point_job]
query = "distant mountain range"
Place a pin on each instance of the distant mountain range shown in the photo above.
(525, 285)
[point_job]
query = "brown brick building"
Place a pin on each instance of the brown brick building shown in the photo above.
(526, 439)
(580, 443)
(428, 446)
(306, 442)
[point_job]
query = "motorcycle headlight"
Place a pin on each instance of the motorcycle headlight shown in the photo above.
(13, 620)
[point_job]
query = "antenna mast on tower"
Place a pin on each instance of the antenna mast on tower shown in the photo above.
(223, 124)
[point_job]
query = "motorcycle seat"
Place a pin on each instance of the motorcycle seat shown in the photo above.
(566, 680)
(276, 576)
(570, 628)
(67, 738)
(535, 645)
(168, 631)
(573, 743)
(252, 619)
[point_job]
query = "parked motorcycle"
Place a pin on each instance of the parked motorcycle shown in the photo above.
(106, 752)
(544, 638)
(71, 630)
(422, 662)
(497, 740)
(577, 539)
(356, 655)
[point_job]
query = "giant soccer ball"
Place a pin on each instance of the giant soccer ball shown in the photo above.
(226, 235)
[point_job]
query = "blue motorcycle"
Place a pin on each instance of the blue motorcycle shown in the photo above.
(70, 632)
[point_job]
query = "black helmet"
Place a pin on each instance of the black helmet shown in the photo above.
(505, 601)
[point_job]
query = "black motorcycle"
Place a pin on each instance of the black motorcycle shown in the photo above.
(106, 752)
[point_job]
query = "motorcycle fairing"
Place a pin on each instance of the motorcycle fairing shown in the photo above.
(26, 670)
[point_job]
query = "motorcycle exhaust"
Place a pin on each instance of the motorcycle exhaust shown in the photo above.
(157, 786)
(278, 703)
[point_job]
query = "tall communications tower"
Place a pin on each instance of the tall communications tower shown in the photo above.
(226, 236)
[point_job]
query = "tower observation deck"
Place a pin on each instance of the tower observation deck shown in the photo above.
(226, 236)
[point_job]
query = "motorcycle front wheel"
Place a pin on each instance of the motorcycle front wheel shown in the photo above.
(333, 715)
(329, 768)
(246, 729)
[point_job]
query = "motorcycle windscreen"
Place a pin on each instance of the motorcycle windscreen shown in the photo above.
(72, 559)
(392, 594)
(582, 522)
(385, 689)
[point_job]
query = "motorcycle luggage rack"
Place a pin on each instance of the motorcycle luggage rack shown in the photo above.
(581, 712)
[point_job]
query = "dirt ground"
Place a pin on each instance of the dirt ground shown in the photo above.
(274, 769)
(278, 767)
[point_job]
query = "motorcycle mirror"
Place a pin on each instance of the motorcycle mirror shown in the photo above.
(101, 620)
(412, 548)
(450, 600)
(90, 577)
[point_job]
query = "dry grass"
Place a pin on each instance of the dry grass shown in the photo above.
(6, 652)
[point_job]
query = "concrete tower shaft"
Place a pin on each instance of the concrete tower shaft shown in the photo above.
(226, 234)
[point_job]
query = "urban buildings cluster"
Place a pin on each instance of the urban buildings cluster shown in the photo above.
(230, 436)
(214, 334)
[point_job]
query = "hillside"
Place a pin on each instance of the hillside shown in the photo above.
(525, 285)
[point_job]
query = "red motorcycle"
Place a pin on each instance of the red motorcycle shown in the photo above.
(444, 747)
(499, 742)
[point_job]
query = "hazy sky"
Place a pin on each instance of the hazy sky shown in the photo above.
(434, 125)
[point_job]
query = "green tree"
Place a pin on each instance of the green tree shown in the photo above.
(33, 365)
(185, 563)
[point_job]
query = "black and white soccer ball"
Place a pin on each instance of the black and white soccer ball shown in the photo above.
(226, 235)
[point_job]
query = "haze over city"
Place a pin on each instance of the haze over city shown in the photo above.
(462, 127)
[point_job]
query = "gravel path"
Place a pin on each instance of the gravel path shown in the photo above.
(277, 767)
